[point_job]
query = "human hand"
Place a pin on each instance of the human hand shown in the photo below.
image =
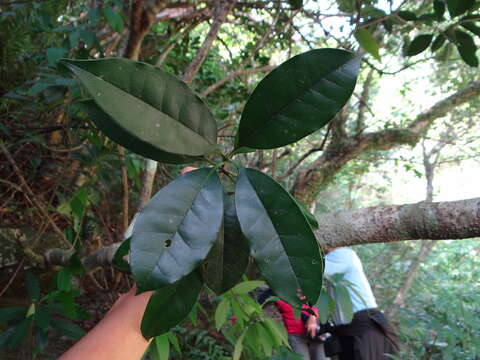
(311, 326)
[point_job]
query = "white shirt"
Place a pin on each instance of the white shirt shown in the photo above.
(346, 262)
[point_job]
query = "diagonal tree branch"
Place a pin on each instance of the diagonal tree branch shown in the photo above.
(315, 177)
(435, 221)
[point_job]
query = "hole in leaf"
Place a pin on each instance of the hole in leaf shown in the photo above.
(167, 243)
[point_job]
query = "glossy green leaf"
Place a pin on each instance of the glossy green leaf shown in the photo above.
(470, 26)
(221, 313)
(54, 55)
(68, 329)
(368, 42)
(297, 98)
(119, 135)
(344, 300)
(407, 15)
(281, 240)
(312, 220)
(42, 317)
(438, 42)
(33, 286)
(466, 48)
(458, 7)
(12, 313)
(439, 9)
(148, 105)
(160, 348)
(295, 4)
(64, 279)
(323, 306)
(237, 351)
(246, 286)
(176, 229)
(230, 254)
(20, 333)
(118, 259)
(170, 305)
(419, 44)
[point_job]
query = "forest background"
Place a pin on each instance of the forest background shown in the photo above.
(409, 134)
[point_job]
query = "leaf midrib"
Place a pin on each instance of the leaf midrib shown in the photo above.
(188, 129)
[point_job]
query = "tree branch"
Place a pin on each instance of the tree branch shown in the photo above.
(316, 176)
(220, 15)
(432, 221)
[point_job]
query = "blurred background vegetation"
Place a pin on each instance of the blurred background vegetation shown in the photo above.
(64, 185)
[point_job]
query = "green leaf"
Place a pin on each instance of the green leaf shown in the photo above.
(148, 106)
(277, 331)
(174, 341)
(407, 15)
(470, 26)
(343, 298)
(246, 286)
(466, 47)
(64, 279)
(297, 98)
(118, 262)
(33, 286)
(281, 240)
(368, 42)
(295, 4)
(230, 254)
(12, 313)
(160, 348)
(68, 329)
(170, 305)
(324, 306)
(419, 44)
(312, 220)
(42, 317)
(221, 313)
(121, 136)
(237, 352)
(438, 42)
(114, 19)
(54, 55)
(458, 7)
(20, 333)
(176, 229)
(439, 9)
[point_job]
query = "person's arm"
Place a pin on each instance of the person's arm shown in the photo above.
(117, 336)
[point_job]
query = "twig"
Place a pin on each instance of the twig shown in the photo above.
(12, 277)
(31, 196)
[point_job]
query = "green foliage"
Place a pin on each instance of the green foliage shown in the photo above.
(170, 304)
(269, 216)
(43, 314)
(166, 248)
(230, 254)
(367, 42)
(297, 98)
(133, 90)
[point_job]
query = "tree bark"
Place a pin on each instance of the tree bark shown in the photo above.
(222, 8)
(436, 221)
(386, 223)
(342, 149)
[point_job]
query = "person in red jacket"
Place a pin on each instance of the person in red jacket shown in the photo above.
(298, 338)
